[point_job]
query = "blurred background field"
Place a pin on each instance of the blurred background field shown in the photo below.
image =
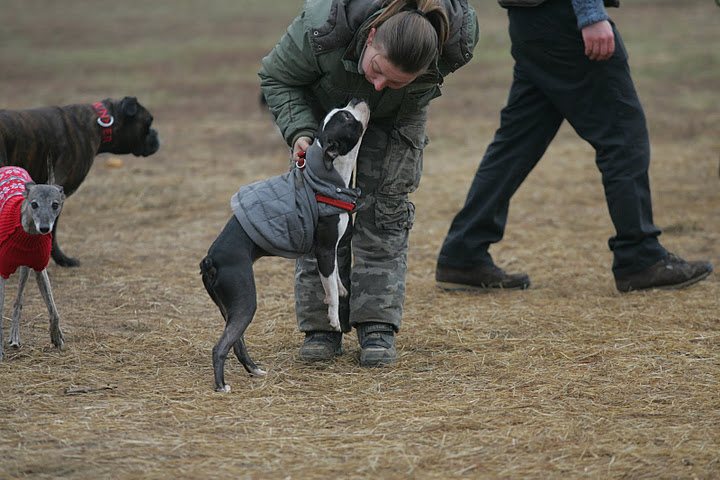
(569, 379)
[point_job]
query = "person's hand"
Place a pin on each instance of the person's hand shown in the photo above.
(301, 145)
(599, 40)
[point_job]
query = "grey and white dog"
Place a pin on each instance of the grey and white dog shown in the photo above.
(25, 242)
(304, 211)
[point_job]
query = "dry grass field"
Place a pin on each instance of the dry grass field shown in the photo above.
(569, 379)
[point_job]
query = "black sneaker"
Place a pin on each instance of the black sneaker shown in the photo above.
(669, 273)
(377, 344)
(319, 346)
(479, 277)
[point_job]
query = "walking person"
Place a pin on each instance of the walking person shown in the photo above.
(570, 64)
(394, 55)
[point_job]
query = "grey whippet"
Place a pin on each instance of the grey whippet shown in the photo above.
(27, 214)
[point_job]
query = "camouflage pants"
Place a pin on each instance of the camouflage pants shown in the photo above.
(372, 257)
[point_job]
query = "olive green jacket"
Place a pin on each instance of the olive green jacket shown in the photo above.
(314, 68)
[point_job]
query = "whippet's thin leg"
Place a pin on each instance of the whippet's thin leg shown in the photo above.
(56, 335)
(17, 308)
(2, 302)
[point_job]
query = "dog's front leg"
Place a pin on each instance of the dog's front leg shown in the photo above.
(326, 253)
(2, 302)
(17, 308)
(56, 335)
(343, 222)
(332, 299)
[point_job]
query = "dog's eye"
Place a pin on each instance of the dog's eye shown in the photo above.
(55, 205)
(34, 205)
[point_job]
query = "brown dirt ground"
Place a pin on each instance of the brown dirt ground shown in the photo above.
(569, 379)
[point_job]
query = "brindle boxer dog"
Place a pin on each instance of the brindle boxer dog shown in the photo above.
(70, 137)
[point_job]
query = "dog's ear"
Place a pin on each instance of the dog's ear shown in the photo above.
(330, 152)
(129, 106)
(28, 186)
(61, 190)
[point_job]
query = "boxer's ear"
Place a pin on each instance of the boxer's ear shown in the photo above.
(129, 106)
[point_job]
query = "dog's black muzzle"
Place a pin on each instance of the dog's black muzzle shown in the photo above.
(150, 145)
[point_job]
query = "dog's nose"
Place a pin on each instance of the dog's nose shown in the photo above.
(44, 230)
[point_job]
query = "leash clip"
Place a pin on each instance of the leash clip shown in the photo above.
(300, 162)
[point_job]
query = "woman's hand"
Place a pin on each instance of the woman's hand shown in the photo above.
(599, 40)
(301, 145)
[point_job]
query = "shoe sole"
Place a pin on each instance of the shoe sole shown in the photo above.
(461, 287)
(675, 286)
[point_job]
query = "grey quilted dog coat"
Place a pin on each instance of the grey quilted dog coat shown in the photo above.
(280, 214)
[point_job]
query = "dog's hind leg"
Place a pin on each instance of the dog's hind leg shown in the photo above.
(242, 355)
(56, 335)
(17, 308)
(227, 274)
(240, 312)
(230, 336)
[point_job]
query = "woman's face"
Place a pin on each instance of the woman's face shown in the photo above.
(378, 69)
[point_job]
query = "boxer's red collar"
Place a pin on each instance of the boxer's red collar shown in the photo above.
(105, 120)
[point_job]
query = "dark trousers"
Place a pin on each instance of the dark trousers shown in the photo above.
(553, 81)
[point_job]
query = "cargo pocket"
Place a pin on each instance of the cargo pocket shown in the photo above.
(394, 212)
(403, 167)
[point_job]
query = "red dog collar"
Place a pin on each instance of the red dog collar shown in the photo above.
(105, 120)
(300, 163)
(335, 203)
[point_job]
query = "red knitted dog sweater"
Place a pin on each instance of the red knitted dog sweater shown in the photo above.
(17, 247)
